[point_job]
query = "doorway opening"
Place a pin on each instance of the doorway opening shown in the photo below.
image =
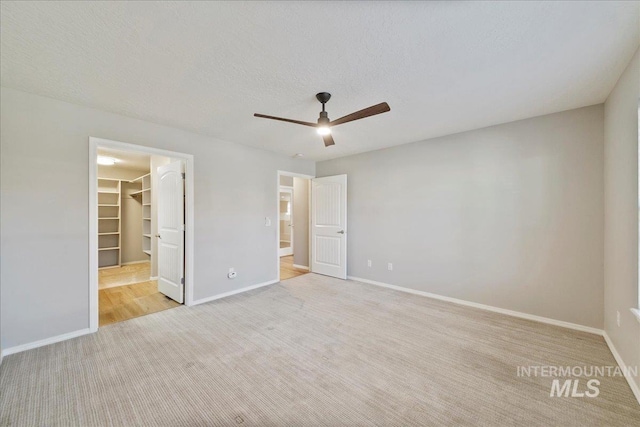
(141, 240)
(294, 200)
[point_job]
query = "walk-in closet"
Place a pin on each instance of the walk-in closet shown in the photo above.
(127, 262)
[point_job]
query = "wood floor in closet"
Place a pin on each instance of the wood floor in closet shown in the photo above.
(126, 292)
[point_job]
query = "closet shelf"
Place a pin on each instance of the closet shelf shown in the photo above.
(109, 219)
(145, 201)
(139, 178)
(136, 193)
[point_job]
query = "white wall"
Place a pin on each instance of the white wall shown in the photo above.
(621, 214)
(509, 216)
(44, 209)
(301, 193)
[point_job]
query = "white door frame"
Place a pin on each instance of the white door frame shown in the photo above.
(277, 237)
(94, 143)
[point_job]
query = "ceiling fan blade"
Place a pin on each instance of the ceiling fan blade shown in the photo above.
(298, 122)
(328, 140)
(367, 112)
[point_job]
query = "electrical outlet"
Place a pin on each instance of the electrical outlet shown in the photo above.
(618, 318)
(368, 263)
(267, 221)
(232, 273)
(390, 267)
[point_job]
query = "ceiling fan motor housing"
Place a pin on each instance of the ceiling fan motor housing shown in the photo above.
(323, 119)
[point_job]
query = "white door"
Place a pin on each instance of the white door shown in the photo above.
(171, 231)
(285, 220)
(329, 226)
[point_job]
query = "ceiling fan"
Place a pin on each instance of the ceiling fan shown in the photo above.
(324, 125)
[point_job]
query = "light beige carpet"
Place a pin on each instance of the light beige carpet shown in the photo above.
(311, 351)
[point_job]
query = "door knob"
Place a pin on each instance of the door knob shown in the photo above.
(158, 236)
(341, 232)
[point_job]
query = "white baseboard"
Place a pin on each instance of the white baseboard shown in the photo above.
(46, 341)
(134, 262)
(237, 291)
(153, 278)
(301, 267)
(513, 313)
(632, 383)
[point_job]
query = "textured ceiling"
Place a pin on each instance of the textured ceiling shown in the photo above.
(444, 67)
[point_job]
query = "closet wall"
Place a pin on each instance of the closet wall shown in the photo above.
(131, 212)
(131, 224)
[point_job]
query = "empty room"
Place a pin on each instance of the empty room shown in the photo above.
(319, 213)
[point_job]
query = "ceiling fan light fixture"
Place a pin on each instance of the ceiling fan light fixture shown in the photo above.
(324, 130)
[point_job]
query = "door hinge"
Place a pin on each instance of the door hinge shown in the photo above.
(182, 280)
(184, 176)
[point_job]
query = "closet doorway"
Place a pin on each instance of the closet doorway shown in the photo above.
(139, 216)
(293, 224)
